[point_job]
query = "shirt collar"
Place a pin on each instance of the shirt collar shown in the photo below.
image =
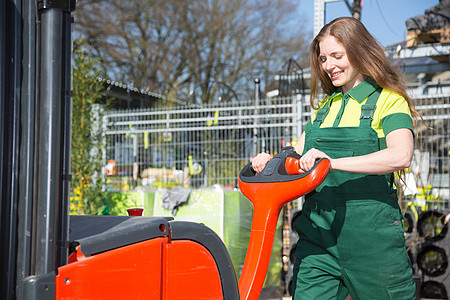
(359, 92)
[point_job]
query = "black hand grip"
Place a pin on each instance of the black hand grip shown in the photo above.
(275, 170)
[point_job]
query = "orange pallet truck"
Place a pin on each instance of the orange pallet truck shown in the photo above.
(111, 257)
(117, 257)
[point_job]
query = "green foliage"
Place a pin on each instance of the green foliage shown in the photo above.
(87, 142)
(117, 203)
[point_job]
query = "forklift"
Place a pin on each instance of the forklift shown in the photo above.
(47, 254)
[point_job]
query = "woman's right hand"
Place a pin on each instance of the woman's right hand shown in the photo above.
(260, 161)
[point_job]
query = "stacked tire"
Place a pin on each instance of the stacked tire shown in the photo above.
(433, 255)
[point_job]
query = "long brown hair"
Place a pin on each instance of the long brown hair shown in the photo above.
(364, 54)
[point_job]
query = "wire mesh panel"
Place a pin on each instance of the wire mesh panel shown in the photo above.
(430, 166)
(196, 145)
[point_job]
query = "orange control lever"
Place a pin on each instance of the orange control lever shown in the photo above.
(280, 182)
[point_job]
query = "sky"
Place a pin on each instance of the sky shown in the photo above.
(385, 19)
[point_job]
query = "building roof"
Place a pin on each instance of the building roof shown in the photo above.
(128, 96)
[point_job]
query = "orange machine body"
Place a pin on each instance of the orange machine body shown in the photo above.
(179, 261)
(154, 269)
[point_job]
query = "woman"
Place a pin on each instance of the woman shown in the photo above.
(351, 234)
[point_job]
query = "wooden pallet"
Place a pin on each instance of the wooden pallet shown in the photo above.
(415, 37)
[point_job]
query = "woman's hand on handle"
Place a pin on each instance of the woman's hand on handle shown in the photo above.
(260, 161)
(308, 160)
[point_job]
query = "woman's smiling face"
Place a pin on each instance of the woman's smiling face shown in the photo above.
(334, 61)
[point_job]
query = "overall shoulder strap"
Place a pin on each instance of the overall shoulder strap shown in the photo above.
(321, 114)
(368, 108)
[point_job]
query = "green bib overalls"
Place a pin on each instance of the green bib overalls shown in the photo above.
(351, 234)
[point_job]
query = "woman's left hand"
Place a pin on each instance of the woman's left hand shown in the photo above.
(308, 160)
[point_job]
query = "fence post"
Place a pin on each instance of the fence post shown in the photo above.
(299, 115)
(255, 121)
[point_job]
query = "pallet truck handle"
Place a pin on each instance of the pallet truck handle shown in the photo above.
(280, 182)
